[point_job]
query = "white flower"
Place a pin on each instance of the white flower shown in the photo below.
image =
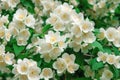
(45, 47)
(52, 37)
(88, 37)
(72, 67)
(116, 42)
(7, 34)
(87, 26)
(101, 36)
(8, 58)
(92, 2)
(48, 5)
(107, 75)
(102, 4)
(102, 57)
(12, 27)
(65, 16)
(20, 14)
(62, 45)
(88, 71)
(22, 37)
(30, 21)
(75, 30)
(22, 67)
(60, 65)
(4, 19)
(21, 41)
(53, 19)
(54, 53)
(13, 3)
(111, 59)
(2, 32)
(18, 24)
(46, 73)
(30, 62)
(2, 49)
(74, 2)
(34, 73)
(23, 77)
(68, 58)
(1, 58)
(47, 57)
(85, 48)
(77, 18)
(76, 47)
(59, 25)
(24, 33)
(117, 62)
(78, 40)
(1, 23)
(3, 66)
(111, 33)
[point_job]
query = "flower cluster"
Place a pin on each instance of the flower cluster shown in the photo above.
(101, 5)
(111, 34)
(66, 63)
(26, 70)
(106, 75)
(5, 59)
(109, 58)
(59, 39)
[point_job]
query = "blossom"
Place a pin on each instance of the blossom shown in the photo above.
(111, 59)
(117, 62)
(60, 65)
(89, 37)
(102, 57)
(20, 14)
(76, 30)
(22, 67)
(72, 67)
(8, 58)
(68, 58)
(55, 52)
(106, 75)
(111, 33)
(101, 35)
(88, 71)
(33, 73)
(30, 21)
(13, 3)
(46, 73)
(52, 37)
(87, 26)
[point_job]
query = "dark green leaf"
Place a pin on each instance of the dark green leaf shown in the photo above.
(28, 5)
(96, 65)
(98, 45)
(18, 49)
(115, 50)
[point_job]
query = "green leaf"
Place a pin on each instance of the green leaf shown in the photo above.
(115, 50)
(96, 65)
(98, 45)
(28, 5)
(80, 60)
(108, 50)
(77, 10)
(96, 31)
(116, 72)
(45, 29)
(18, 49)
